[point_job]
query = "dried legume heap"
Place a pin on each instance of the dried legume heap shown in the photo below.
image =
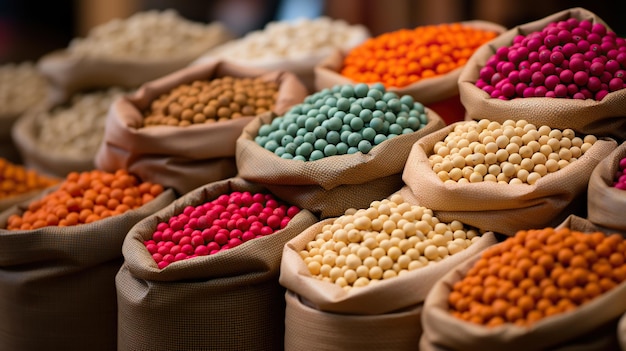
(343, 120)
(566, 59)
(15, 179)
(620, 176)
(514, 152)
(21, 86)
(537, 274)
(386, 240)
(209, 101)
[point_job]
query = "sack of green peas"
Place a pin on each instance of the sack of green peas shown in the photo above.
(358, 281)
(180, 130)
(342, 147)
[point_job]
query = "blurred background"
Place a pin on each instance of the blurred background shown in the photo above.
(29, 29)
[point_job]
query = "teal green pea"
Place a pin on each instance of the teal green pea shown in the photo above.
(345, 127)
(316, 155)
(390, 117)
(334, 123)
(379, 138)
(301, 132)
(292, 129)
(318, 103)
(291, 148)
(310, 124)
(389, 95)
(385, 128)
(336, 88)
(279, 150)
(330, 150)
(356, 124)
(286, 140)
(355, 109)
(309, 137)
(306, 108)
(340, 114)
(364, 146)
(361, 90)
(405, 108)
(278, 135)
(320, 132)
(261, 140)
(296, 110)
(377, 124)
(395, 129)
(312, 112)
(381, 105)
(265, 130)
(344, 136)
(366, 115)
(418, 106)
(301, 120)
(333, 137)
(347, 91)
(343, 104)
(320, 144)
(407, 100)
(368, 133)
(275, 123)
(271, 145)
(332, 111)
(414, 123)
(287, 156)
(402, 121)
(330, 101)
(321, 118)
(353, 150)
(299, 158)
(324, 109)
(298, 140)
(379, 86)
(354, 139)
(368, 103)
(348, 118)
(304, 150)
(342, 148)
(394, 104)
(375, 94)
(391, 136)
(423, 118)
(407, 131)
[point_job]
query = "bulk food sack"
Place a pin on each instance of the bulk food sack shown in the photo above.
(180, 130)
(57, 283)
(605, 201)
(363, 288)
(511, 76)
(577, 305)
(223, 299)
(129, 52)
(429, 77)
(503, 184)
(294, 46)
(342, 147)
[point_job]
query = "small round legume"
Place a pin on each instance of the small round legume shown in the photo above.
(388, 239)
(16, 179)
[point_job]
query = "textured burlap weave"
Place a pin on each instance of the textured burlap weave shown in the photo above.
(606, 205)
(227, 301)
(601, 118)
(183, 158)
(57, 284)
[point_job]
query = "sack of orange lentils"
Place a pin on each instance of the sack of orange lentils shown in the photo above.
(565, 70)
(606, 193)
(504, 177)
(128, 52)
(341, 147)
(369, 269)
(59, 255)
(424, 62)
(19, 183)
(202, 273)
(180, 130)
(552, 288)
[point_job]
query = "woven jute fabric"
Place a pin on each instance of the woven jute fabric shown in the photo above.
(440, 93)
(606, 204)
(183, 158)
(68, 73)
(502, 208)
(231, 300)
(329, 186)
(57, 284)
(601, 118)
(590, 327)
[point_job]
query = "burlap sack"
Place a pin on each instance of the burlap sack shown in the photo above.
(501, 208)
(314, 307)
(228, 301)
(591, 327)
(601, 118)
(329, 186)
(57, 284)
(605, 204)
(621, 332)
(440, 93)
(25, 133)
(183, 158)
(68, 73)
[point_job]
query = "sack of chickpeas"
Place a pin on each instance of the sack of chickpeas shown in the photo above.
(180, 130)
(294, 46)
(129, 52)
(504, 177)
(57, 139)
(342, 147)
(202, 274)
(542, 289)
(565, 70)
(358, 281)
(606, 194)
(59, 255)
(424, 62)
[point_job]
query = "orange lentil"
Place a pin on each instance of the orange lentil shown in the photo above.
(539, 273)
(84, 198)
(405, 56)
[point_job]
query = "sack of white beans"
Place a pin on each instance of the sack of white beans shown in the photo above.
(57, 283)
(223, 294)
(439, 92)
(358, 281)
(180, 130)
(56, 139)
(605, 201)
(296, 46)
(342, 147)
(565, 70)
(503, 177)
(129, 52)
